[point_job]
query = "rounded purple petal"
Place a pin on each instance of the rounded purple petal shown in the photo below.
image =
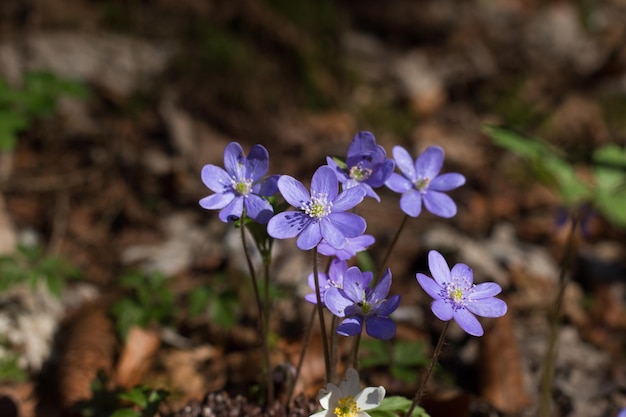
(235, 160)
(324, 181)
(382, 174)
(336, 301)
(439, 204)
(258, 208)
(348, 199)
(382, 288)
(429, 285)
(257, 163)
(398, 183)
(380, 327)
(404, 162)
(323, 282)
(216, 201)
(287, 224)
(363, 141)
(310, 236)
(447, 182)
(429, 163)
(388, 306)
(233, 211)
(350, 224)
(488, 307)
(463, 274)
(331, 234)
(411, 203)
(215, 178)
(350, 326)
(468, 322)
(442, 309)
(438, 268)
(485, 289)
(268, 187)
(293, 191)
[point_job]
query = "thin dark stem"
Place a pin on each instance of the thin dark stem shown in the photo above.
(269, 386)
(429, 370)
(334, 347)
(383, 265)
(305, 345)
(320, 313)
(355, 351)
(545, 393)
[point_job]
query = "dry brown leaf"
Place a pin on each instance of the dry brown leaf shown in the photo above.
(502, 380)
(89, 347)
(137, 355)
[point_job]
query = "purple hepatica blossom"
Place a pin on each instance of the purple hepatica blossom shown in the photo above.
(366, 166)
(352, 247)
(357, 302)
(420, 182)
(622, 413)
(456, 296)
(241, 186)
(321, 214)
(334, 279)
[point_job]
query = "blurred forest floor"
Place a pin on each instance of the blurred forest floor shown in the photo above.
(110, 183)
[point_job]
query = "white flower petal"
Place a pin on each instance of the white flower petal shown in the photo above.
(370, 397)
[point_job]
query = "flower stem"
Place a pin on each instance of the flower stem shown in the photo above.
(383, 264)
(355, 351)
(545, 393)
(269, 385)
(429, 370)
(305, 345)
(320, 313)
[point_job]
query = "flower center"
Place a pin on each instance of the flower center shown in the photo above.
(456, 294)
(346, 407)
(318, 207)
(242, 187)
(422, 184)
(359, 173)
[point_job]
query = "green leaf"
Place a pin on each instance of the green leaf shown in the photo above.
(515, 142)
(613, 206)
(390, 406)
(611, 155)
(126, 412)
(137, 396)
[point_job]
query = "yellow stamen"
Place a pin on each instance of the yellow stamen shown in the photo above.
(346, 407)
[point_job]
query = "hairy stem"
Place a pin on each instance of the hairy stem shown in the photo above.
(269, 385)
(545, 392)
(429, 370)
(305, 345)
(320, 313)
(383, 264)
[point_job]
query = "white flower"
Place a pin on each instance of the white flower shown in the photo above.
(347, 400)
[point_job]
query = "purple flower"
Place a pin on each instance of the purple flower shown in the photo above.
(359, 303)
(622, 413)
(241, 186)
(352, 247)
(320, 214)
(456, 296)
(420, 182)
(366, 166)
(336, 272)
